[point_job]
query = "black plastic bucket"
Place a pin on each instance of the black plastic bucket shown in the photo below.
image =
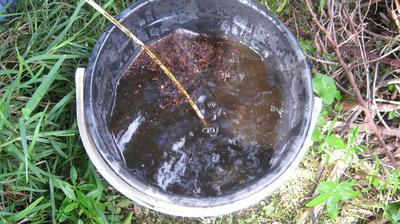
(239, 20)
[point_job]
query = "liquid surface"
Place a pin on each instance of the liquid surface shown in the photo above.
(165, 143)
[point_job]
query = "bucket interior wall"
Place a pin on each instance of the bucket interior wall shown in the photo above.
(237, 20)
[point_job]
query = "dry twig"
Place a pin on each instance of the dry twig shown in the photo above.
(332, 39)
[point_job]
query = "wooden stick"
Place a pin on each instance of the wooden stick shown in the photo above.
(166, 70)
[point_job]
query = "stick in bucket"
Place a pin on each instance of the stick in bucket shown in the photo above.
(152, 56)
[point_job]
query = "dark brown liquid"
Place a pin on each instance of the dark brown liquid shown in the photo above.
(162, 139)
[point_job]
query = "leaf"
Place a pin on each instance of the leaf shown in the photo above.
(322, 118)
(57, 148)
(348, 194)
(128, 218)
(270, 5)
(307, 46)
(22, 214)
(346, 191)
(281, 6)
(66, 188)
(333, 193)
(347, 184)
(391, 87)
(325, 87)
(393, 115)
(8, 72)
(318, 200)
(73, 175)
(332, 207)
(335, 142)
(396, 183)
(92, 206)
(352, 135)
(360, 148)
(42, 89)
(46, 57)
(317, 135)
(24, 143)
(84, 200)
(392, 212)
(124, 203)
(321, 6)
(57, 110)
(327, 186)
(70, 207)
(71, 21)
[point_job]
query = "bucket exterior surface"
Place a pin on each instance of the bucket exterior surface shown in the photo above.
(239, 20)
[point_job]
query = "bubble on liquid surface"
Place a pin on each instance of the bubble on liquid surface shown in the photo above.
(171, 149)
(212, 131)
(211, 104)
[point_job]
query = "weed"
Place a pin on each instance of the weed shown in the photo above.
(393, 115)
(275, 6)
(307, 46)
(392, 212)
(325, 87)
(332, 193)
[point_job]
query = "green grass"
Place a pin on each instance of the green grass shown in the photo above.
(45, 174)
(43, 177)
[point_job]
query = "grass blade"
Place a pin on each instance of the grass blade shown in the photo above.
(44, 57)
(42, 89)
(8, 72)
(24, 143)
(68, 26)
(59, 107)
(22, 214)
